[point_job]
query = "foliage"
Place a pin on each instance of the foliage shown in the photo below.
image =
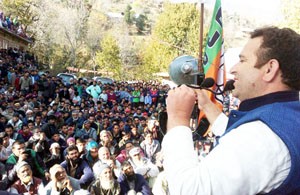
(291, 17)
(108, 59)
(77, 28)
(176, 33)
(25, 10)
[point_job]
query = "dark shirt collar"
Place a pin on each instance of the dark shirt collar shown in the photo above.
(282, 96)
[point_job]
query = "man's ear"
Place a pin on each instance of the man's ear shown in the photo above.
(271, 70)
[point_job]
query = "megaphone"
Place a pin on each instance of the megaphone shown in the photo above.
(184, 70)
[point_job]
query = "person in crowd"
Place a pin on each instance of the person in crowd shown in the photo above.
(66, 131)
(3, 173)
(49, 127)
(6, 149)
(136, 137)
(106, 158)
(106, 140)
(103, 97)
(94, 90)
(150, 147)
(75, 119)
(87, 132)
(21, 154)
(8, 113)
(60, 183)
(38, 120)
(126, 136)
(25, 132)
(136, 97)
(38, 143)
(148, 99)
(55, 157)
(81, 143)
(27, 183)
(131, 182)
(64, 93)
(105, 184)
(206, 148)
(116, 133)
(91, 155)
(25, 83)
(267, 81)
(92, 119)
(56, 138)
(124, 154)
(16, 122)
(143, 166)
(77, 167)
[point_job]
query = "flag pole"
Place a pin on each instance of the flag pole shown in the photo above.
(200, 58)
(201, 76)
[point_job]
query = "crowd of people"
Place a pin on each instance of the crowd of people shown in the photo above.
(91, 132)
(56, 137)
(12, 24)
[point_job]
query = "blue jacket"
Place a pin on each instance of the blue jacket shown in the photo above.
(141, 185)
(83, 172)
(283, 117)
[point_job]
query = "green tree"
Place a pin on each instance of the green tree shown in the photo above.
(25, 10)
(108, 59)
(175, 33)
(291, 17)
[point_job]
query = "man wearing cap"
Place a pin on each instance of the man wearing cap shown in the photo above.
(60, 182)
(26, 184)
(106, 158)
(75, 119)
(38, 142)
(56, 155)
(28, 116)
(105, 183)
(143, 165)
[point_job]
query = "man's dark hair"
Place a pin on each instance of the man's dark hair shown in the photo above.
(125, 164)
(9, 126)
(80, 140)
(284, 46)
(17, 143)
(71, 148)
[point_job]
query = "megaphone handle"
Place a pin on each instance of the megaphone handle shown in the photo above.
(194, 117)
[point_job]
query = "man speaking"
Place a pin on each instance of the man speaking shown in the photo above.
(259, 149)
